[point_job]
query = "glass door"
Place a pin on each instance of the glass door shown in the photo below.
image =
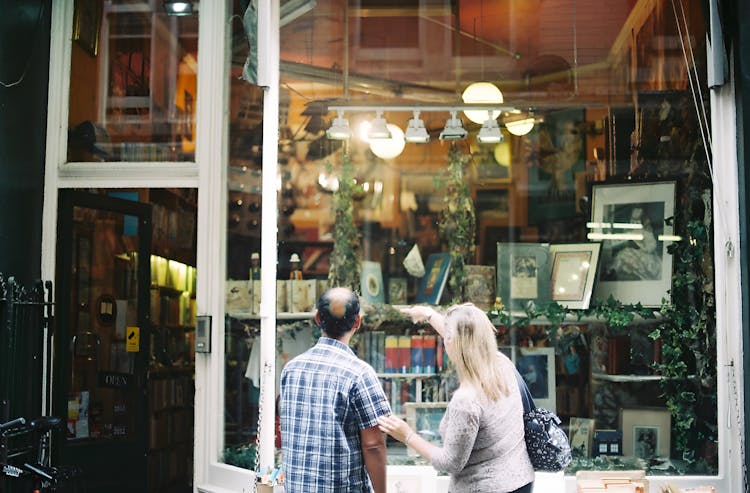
(101, 338)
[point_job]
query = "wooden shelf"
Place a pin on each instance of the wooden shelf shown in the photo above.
(408, 375)
(626, 378)
(279, 316)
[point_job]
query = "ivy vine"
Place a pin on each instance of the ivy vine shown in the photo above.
(458, 222)
(344, 271)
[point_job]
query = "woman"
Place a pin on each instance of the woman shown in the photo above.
(483, 434)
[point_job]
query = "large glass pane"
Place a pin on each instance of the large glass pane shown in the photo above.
(596, 146)
(133, 83)
(242, 329)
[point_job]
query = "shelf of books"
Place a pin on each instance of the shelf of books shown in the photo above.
(409, 366)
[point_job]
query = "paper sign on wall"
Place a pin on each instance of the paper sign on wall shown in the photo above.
(133, 339)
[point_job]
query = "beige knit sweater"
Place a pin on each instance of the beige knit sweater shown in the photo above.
(483, 441)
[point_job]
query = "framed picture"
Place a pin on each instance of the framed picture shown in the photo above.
(397, 287)
(523, 274)
(424, 418)
(581, 436)
(433, 282)
(480, 285)
(87, 21)
(537, 367)
(573, 273)
(646, 432)
(629, 219)
(371, 282)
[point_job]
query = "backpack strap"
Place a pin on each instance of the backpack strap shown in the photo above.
(528, 402)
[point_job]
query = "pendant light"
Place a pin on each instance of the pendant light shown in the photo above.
(481, 93)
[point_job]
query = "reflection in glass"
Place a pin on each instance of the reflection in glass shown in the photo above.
(134, 100)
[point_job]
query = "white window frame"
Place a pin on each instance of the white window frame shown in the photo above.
(208, 175)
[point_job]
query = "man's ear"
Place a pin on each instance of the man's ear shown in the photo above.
(357, 323)
(317, 317)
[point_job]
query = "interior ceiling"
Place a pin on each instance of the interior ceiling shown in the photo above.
(536, 51)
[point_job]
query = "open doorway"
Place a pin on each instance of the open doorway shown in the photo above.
(124, 365)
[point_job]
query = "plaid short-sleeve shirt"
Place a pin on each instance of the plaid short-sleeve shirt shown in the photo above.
(328, 396)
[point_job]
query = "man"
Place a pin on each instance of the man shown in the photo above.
(330, 402)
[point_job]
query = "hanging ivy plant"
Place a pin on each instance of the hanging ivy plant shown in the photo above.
(688, 337)
(344, 270)
(458, 222)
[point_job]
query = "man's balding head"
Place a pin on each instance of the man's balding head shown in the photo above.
(338, 311)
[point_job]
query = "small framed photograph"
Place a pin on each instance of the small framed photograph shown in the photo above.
(537, 367)
(629, 219)
(523, 274)
(433, 282)
(581, 436)
(424, 418)
(646, 432)
(573, 273)
(397, 287)
(371, 282)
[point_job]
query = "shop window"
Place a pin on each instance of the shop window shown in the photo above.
(598, 124)
(133, 84)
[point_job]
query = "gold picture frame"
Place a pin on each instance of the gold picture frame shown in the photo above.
(87, 22)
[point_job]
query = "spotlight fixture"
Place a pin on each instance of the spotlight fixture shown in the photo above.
(379, 128)
(484, 93)
(490, 131)
(520, 127)
(415, 130)
(453, 130)
(340, 128)
(178, 8)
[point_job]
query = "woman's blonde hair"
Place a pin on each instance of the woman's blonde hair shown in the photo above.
(475, 357)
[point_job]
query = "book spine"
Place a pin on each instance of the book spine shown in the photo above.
(417, 348)
(440, 355)
(429, 350)
(404, 354)
(391, 354)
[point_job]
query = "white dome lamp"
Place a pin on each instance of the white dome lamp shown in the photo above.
(520, 127)
(481, 93)
(391, 147)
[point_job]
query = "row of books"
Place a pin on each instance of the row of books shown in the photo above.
(390, 353)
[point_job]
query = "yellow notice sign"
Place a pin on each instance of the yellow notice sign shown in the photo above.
(133, 339)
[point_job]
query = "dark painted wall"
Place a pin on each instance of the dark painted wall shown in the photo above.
(24, 66)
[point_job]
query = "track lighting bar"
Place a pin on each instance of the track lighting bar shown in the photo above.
(448, 108)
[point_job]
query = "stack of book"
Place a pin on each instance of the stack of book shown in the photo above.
(405, 354)
(371, 348)
(611, 482)
(419, 353)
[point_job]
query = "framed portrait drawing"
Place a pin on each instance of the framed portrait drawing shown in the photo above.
(537, 367)
(574, 268)
(646, 432)
(434, 280)
(629, 219)
(523, 274)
